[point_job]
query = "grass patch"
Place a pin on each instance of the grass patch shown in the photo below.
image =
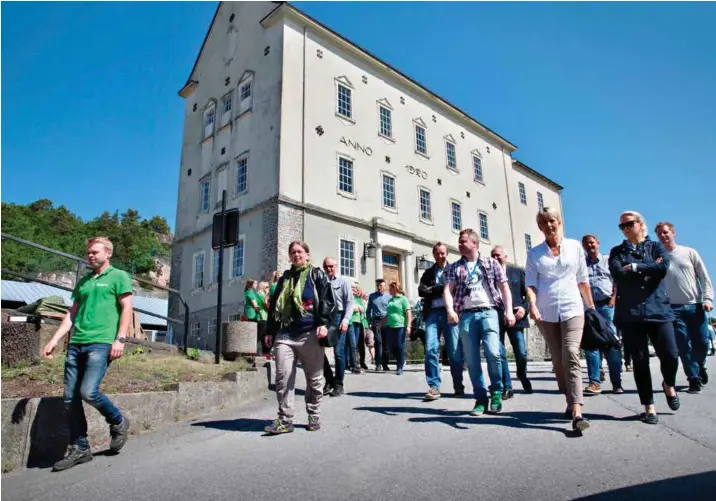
(135, 372)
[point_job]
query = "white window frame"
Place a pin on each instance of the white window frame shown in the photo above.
(211, 325)
(226, 114)
(195, 330)
(540, 200)
(523, 192)
(239, 159)
(246, 104)
(234, 317)
(418, 123)
(202, 206)
(355, 257)
(194, 270)
(528, 242)
(343, 82)
(382, 105)
(449, 143)
(430, 201)
(454, 203)
(242, 243)
(487, 226)
(209, 110)
(383, 175)
(348, 194)
(477, 156)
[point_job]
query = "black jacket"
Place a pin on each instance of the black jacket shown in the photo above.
(641, 295)
(325, 307)
(598, 333)
(516, 279)
(429, 290)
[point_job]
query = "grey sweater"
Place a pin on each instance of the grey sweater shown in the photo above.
(687, 281)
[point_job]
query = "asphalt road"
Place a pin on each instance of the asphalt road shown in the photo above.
(382, 442)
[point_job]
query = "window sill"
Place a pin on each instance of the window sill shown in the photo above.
(389, 209)
(206, 139)
(345, 119)
(429, 222)
(424, 155)
(227, 124)
(244, 113)
(455, 171)
(386, 138)
(350, 196)
(478, 182)
(241, 193)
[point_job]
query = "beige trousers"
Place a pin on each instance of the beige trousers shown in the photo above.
(563, 339)
(288, 352)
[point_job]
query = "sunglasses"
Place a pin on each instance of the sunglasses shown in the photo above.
(628, 224)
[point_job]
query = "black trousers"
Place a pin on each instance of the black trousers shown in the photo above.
(636, 337)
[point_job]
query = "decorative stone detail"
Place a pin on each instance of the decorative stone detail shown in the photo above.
(240, 338)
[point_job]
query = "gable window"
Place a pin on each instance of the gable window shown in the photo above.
(523, 193)
(345, 106)
(528, 242)
(198, 281)
(477, 168)
(456, 210)
(345, 175)
(421, 143)
(540, 201)
(226, 103)
(484, 230)
(246, 93)
(215, 266)
(426, 212)
(388, 191)
(348, 258)
(386, 122)
(450, 155)
(242, 174)
(204, 195)
(209, 118)
(237, 258)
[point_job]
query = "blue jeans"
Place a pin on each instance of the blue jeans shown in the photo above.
(353, 336)
(396, 341)
(692, 336)
(482, 328)
(519, 347)
(614, 357)
(85, 367)
(436, 321)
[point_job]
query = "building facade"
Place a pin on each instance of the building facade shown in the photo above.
(313, 138)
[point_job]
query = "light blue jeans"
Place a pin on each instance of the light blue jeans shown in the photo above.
(437, 320)
(692, 336)
(482, 328)
(614, 357)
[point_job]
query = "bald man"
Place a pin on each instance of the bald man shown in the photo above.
(344, 311)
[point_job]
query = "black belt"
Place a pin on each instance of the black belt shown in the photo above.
(602, 302)
(478, 310)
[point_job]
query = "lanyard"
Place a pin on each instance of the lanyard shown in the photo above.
(475, 270)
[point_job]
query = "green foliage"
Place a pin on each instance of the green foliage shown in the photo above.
(193, 353)
(135, 240)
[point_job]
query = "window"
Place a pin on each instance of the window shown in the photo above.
(245, 94)
(345, 175)
(344, 101)
(388, 191)
(390, 259)
(528, 242)
(523, 193)
(456, 216)
(386, 122)
(348, 258)
(195, 330)
(211, 331)
(540, 201)
(209, 118)
(242, 172)
(426, 212)
(484, 231)
(450, 155)
(237, 259)
(421, 144)
(204, 195)
(226, 102)
(477, 168)
(199, 270)
(234, 317)
(215, 266)
(221, 182)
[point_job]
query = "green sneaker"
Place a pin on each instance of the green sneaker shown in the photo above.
(314, 424)
(496, 402)
(479, 409)
(278, 428)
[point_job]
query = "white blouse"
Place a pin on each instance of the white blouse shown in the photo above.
(556, 279)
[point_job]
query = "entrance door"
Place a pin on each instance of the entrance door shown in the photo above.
(391, 268)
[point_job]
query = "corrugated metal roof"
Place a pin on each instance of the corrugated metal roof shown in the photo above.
(29, 292)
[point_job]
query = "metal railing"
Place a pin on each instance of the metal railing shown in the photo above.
(82, 263)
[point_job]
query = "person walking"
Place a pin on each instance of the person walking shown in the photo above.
(302, 307)
(344, 308)
(398, 321)
(643, 312)
(100, 315)
(376, 312)
(355, 329)
(556, 275)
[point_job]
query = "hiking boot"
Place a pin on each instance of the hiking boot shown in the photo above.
(73, 456)
(337, 391)
(508, 395)
(496, 402)
(432, 394)
(118, 432)
(694, 386)
(593, 389)
(703, 376)
(314, 423)
(479, 409)
(278, 428)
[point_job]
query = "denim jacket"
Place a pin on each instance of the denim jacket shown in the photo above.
(641, 295)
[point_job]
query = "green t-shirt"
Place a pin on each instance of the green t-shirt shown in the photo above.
(250, 295)
(97, 296)
(261, 301)
(272, 289)
(396, 311)
(357, 317)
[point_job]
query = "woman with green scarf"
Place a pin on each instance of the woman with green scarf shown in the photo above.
(301, 308)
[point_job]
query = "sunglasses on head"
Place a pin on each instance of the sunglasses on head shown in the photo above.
(627, 224)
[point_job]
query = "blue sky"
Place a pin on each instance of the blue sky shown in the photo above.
(615, 101)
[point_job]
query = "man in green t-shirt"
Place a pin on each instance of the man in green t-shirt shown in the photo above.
(101, 313)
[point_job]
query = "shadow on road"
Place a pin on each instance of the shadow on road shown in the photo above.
(394, 396)
(241, 424)
(694, 487)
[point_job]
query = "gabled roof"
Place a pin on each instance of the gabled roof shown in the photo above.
(537, 174)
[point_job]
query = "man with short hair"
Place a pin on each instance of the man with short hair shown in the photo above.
(689, 289)
(376, 311)
(476, 288)
(344, 311)
(516, 279)
(604, 294)
(100, 314)
(431, 287)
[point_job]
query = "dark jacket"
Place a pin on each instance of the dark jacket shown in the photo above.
(641, 295)
(429, 290)
(516, 279)
(598, 333)
(323, 309)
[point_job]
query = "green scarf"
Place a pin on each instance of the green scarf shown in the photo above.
(290, 297)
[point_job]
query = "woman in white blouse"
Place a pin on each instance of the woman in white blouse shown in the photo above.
(556, 278)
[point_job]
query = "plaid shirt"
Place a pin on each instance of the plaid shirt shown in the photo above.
(457, 276)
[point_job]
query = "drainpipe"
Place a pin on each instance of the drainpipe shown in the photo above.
(509, 206)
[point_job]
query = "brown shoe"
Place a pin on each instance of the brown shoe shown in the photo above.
(432, 394)
(593, 389)
(602, 376)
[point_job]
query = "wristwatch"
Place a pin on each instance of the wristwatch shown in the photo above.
(122, 339)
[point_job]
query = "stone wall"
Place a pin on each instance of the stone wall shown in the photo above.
(269, 243)
(290, 228)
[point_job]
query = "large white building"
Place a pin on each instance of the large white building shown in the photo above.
(313, 138)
